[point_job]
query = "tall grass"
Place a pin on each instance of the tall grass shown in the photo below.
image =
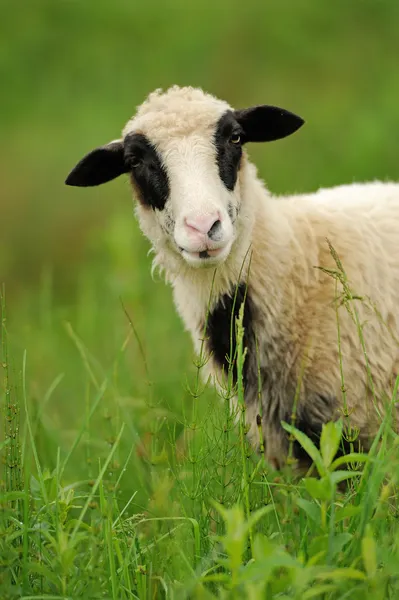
(152, 492)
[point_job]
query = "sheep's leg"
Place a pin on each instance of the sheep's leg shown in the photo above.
(276, 446)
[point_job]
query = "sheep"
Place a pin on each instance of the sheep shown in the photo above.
(222, 239)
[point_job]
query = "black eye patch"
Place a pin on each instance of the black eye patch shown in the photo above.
(228, 148)
(148, 175)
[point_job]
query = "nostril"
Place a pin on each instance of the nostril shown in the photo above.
(214, 231)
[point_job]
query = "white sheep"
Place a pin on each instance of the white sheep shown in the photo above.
(201, 205)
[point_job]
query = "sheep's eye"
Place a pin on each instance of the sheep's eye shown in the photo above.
(235, 138)
(135, 162)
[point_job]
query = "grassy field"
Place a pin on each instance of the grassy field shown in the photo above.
(122, 475)
(123, 479)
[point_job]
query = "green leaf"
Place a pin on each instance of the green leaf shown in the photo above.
(318, 591)
(10, 496)
(237, 529)
(311, 509)
(257, 515)
(353, 457)
(317, 555)
(263, 547)
(34, 486)
(41, 569)
(369, 553)
(220, 577)
(339, 541)
(320, 489)
(341, 574)
(347, 512)
(3, 444)
(330, 438)
(82, 525)
(261, 570)
(307, 445)
(339, 476)
(322, 544)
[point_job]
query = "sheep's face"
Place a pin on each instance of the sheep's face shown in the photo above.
(183, 153)
(188, 190)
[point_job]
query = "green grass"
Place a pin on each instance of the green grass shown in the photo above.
(119, 484)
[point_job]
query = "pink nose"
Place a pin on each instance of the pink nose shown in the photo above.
(203, 223)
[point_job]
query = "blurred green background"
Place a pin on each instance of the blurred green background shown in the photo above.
(72, 73)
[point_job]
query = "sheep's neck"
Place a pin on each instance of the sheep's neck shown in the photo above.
(257, 256)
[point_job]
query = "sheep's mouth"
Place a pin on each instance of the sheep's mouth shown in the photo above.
(207, 256)
(207, 253)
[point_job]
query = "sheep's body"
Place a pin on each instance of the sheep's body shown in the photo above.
(293, 307)
(290, 304)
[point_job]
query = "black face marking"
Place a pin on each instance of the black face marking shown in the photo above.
(228, 154)
(222, 320)
(148, 174)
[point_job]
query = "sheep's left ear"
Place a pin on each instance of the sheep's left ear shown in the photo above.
(267, 123)
(99, 166)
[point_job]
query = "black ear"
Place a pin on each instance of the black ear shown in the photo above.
(99, 166)
(267, 123)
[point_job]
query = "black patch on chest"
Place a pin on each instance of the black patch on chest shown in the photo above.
(148, 174)
(228, 154)
(221, 329)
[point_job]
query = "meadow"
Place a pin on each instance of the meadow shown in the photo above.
(123, 475)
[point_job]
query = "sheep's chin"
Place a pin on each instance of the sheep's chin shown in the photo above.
(197, 260)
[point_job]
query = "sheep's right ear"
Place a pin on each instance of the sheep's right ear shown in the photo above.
(99, 166)
(267, 123)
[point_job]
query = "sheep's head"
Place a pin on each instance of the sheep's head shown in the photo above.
(183, 151)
